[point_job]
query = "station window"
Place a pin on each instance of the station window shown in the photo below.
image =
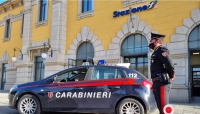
(22, 25)
(85, 8)
(138, 63)
(86, 5)
(43, 11)
(134, 49)
(7, 29)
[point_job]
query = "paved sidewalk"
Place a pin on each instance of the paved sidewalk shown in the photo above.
(186, 108)
(179, 108)
(3, 98)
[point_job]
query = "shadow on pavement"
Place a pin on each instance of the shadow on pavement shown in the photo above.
(7, 110)
(59, 113)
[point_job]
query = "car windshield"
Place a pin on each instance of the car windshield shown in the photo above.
(71, 75)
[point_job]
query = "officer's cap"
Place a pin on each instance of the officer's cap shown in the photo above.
(156, 36)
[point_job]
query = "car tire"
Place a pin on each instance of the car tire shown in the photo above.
(28, 104)
(124, 107)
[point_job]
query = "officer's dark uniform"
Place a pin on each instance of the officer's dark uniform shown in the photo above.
(159, 61)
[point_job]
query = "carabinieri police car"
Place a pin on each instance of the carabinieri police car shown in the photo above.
(86, 89)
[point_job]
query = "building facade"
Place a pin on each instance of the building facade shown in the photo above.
(87, 30)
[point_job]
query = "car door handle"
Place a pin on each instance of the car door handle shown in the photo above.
(114, 87)
(78, 88)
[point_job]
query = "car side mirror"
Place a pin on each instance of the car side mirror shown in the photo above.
(54, 78)
(50, 81)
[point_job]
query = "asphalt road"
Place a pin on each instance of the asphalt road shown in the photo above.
(4, 109)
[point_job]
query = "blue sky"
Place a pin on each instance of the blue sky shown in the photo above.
(2, 1)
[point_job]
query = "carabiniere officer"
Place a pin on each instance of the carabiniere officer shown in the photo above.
(162, 71)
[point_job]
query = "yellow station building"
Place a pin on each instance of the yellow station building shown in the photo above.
(71, 32)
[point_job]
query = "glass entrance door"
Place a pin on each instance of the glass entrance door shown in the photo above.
(39, 68)
(3, 78)
(196, 81)
(81, 61)
(138, 63)
(72, 63)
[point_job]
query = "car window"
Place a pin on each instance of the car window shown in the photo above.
(100, 73)
(72, 75)
(120, 74)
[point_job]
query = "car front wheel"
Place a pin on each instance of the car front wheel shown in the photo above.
(28, 104)
(130, 106)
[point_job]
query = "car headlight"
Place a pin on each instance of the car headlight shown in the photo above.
(14, 87)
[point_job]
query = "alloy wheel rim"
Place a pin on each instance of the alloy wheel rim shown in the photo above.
(28, 106)
(130, 108)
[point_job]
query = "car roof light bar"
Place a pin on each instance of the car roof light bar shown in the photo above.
(101, 62)
(127, 65)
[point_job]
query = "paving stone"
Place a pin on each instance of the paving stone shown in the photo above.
(178, 111)
(197, 106)
(189, 111)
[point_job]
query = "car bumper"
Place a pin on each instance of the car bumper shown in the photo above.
(11, 103)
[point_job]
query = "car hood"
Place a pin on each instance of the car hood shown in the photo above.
(30, 84)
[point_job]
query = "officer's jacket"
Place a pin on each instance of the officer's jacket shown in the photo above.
(160, 60)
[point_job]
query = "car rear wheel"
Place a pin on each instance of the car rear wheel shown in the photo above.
(28, 104)
(130, 106)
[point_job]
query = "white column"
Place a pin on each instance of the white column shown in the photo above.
(58, 25)
(10, 77)
(23, 70)
(58, 37)
(27, 28)
(179, 56)
(24, 73)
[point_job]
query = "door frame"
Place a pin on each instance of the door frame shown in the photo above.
(35, 53)
(191, 77)
(87, 59)
(1, 78)
(190, 72)
(72, 65)
(35, 63)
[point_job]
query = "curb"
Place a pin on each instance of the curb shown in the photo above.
(4, 91)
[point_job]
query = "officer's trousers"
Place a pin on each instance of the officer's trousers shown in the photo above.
(161, 94)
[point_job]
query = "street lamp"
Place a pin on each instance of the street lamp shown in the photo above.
(14, 58)
(44, 55)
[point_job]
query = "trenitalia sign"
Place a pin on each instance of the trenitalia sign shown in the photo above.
(134, 10)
